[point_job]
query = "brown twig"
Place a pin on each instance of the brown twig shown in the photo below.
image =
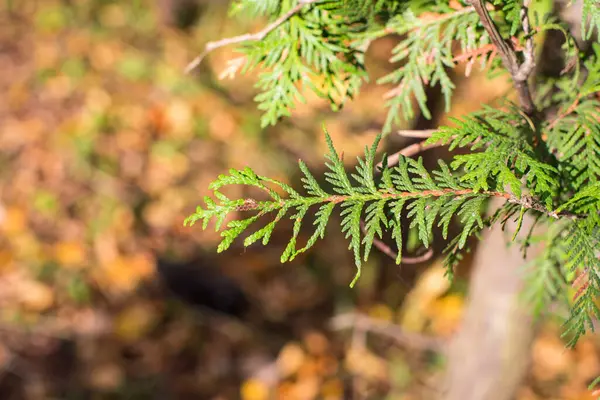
(519, 72)
(247, 37)
(387, 250)
(527, 202)
(409, 151)
(419, 133)
(409, 339)
(418, 259)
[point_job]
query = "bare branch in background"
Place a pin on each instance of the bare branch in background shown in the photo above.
(418, 133)
(387, 250)
(409, 151)
(411, 340)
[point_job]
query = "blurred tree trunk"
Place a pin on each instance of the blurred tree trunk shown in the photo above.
(490, 353)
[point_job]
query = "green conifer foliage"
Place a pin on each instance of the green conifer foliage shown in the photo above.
(542, 156)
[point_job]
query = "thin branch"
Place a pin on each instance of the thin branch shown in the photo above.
(409, 339)
(527, 202)
(418, 259)
(421, 134)
(410, 151)
(248, 37)
(519, 73)
(387, 250)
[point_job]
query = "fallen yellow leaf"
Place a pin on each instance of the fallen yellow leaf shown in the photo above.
(333, 389)
(366, 364)
(382, 312)
(253, 389)
(123, 274)
(430, 285)
(135, 321)
(69, 254)
(445, 314)
(35, 296)
(290, 359)
(15, 221)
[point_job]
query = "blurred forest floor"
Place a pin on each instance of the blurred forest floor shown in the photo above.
(106, 146)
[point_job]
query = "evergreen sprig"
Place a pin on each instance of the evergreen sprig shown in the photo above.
(426, 54)
(424, 196)
(541, 158)
(432, 194)
(590, 18)
(295, 56)
(574, 135)
(505, 138)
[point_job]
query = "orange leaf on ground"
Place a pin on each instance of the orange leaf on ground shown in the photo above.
(316, 343)
(253, 389)
(14, 221)
(70, 254)
(446, 314)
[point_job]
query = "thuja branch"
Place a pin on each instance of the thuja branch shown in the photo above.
(264, 207)
(407, 190)
(248, 37)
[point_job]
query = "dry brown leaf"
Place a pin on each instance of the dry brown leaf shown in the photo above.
(106, 376)
(316, 343)
(550, 358)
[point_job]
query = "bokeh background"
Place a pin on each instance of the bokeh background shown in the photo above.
(106, 146)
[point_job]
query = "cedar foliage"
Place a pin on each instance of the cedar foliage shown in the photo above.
(544, 163)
